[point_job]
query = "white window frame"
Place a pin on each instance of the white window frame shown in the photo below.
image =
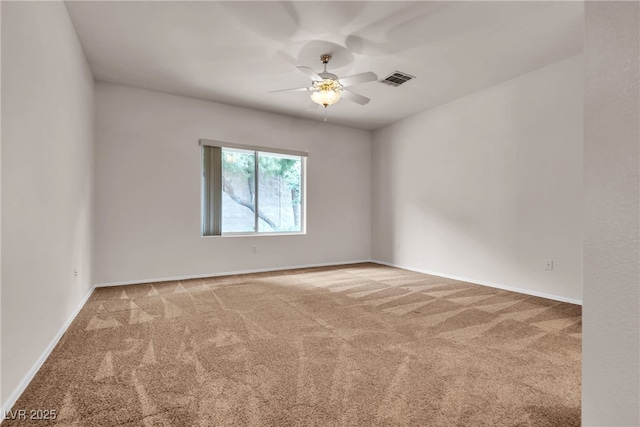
(211, 203)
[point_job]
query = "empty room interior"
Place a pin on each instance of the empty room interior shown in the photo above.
(320, 213)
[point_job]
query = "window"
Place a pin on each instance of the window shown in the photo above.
(251, 190)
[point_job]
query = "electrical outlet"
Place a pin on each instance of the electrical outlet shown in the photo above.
(254, 249)
(548, 264)
(75, 275)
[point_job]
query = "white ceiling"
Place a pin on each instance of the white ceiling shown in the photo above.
(236, 52)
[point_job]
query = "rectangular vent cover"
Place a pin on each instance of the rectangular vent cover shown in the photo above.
(397, 78)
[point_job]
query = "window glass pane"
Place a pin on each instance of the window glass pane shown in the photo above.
(238, 191)
(279, 196)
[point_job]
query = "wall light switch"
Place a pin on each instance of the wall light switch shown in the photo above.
(548, 264)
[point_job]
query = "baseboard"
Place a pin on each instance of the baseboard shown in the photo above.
(390, 264)
(483, 283)
(8, 403)
(227, 273)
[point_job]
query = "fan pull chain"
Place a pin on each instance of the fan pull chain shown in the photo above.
(325, 113)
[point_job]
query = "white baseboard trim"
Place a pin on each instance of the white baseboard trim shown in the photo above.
(11, 400)
(483, 283)
(330, 264)
(227, 273)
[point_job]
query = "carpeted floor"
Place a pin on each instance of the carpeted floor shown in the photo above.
(357, 345)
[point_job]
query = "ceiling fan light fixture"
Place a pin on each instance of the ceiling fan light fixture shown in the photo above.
(327, 92)
(326, 88)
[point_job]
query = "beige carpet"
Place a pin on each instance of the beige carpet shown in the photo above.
(357, 345)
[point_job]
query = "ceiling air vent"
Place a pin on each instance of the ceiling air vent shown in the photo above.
(397, 78)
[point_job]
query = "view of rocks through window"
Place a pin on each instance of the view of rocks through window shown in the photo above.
(279, 195)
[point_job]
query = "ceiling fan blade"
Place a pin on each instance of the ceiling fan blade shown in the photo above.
(295, 89)
(358, 78)
(352, 96)
(310, 73)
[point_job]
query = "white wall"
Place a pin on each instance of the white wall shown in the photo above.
(148, 188)
(487, 187)
(47, 178)
(611, 340)
(1, 395)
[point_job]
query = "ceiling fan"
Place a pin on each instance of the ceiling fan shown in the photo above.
(327, 88)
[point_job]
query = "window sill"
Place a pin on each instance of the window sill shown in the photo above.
(293, 233)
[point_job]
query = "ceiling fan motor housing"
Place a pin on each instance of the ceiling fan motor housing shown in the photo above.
(328, 76)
